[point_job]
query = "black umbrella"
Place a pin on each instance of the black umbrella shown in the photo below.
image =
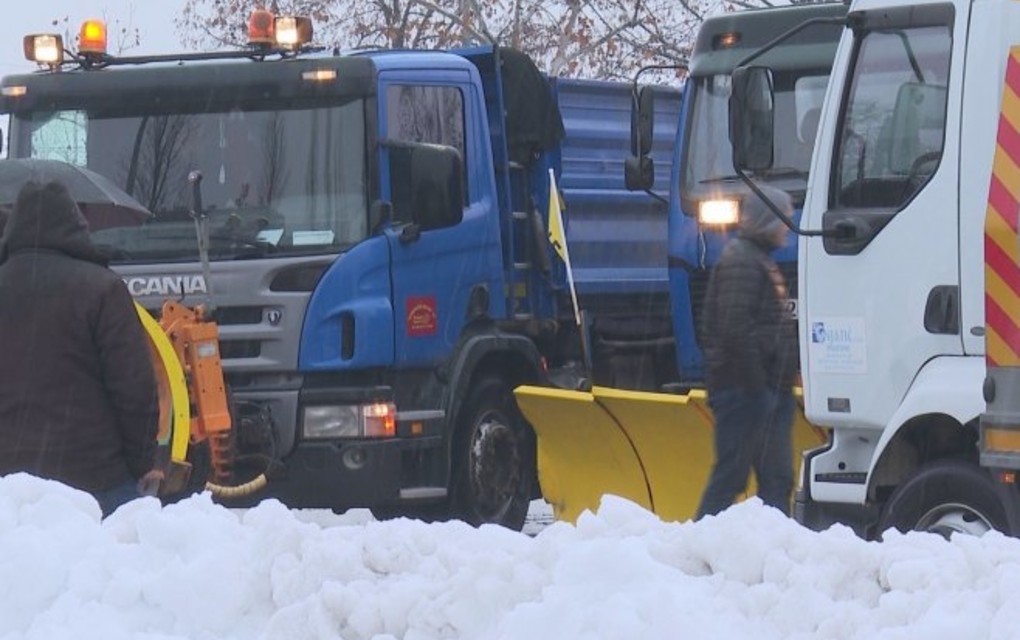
(102, 202)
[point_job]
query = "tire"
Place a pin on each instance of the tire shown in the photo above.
(945, 497)
(494, 458)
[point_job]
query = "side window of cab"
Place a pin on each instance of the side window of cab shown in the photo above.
(895, 118)
(425, 135)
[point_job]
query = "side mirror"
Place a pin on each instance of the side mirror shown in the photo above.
(752, 118)
(642, 120)
(638, 173)
(638, 169)
(426, 184)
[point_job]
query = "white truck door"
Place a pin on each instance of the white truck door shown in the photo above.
(876, 307)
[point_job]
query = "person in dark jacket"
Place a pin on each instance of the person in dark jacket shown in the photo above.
(78, 396)
(751, 360)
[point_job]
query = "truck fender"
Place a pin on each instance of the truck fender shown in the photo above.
(949, 386)
(473, 351)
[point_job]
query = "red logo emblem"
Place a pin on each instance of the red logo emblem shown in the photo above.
(421, 316)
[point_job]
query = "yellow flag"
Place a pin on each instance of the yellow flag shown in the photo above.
(559, 241)
(556, 235)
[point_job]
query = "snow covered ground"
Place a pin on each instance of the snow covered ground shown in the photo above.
(197, 571)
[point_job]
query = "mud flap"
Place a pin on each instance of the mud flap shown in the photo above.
(652, 448)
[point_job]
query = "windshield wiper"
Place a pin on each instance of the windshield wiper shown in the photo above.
(723, 178)
(781, 172)
(238, 240)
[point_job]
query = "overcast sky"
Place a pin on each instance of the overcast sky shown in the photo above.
(153, 18)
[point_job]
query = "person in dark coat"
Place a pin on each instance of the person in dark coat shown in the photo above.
(78, 395)
(751, 361)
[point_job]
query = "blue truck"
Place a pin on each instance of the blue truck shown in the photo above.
(378, 263)
(703, 184)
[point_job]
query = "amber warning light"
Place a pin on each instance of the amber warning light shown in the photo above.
(262, 28)
(92, 37)
(726, 40)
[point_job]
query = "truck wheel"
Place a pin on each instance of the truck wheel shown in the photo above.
(946, 497)
(494, 458)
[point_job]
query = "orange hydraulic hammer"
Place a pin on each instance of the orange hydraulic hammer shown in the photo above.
(196, 342)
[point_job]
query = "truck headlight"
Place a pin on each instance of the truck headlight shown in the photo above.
(718, 212)
(375, 420)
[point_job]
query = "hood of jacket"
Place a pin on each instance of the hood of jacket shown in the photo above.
(758, 223)
(46, 217)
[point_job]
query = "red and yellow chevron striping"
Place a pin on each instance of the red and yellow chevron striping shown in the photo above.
(1002, 246)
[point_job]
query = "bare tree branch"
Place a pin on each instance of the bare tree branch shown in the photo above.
(588, 38)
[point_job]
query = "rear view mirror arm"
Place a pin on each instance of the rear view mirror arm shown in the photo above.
(765, 48)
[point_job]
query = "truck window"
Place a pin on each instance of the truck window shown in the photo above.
(427, 113)
(895, 117)
(283, 181)
(63, 137)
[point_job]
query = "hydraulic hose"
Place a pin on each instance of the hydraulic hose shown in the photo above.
(239, 491)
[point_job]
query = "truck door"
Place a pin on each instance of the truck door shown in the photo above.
(438, 274)
(882, 304)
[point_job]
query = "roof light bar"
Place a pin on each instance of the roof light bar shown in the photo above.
(14, 91)
(319, 75)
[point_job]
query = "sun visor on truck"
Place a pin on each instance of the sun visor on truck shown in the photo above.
(724, 40)
(804, 56)
(533, 120)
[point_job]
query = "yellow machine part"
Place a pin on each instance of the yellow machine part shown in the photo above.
(175, 410)
(176, 397)
(652, 448)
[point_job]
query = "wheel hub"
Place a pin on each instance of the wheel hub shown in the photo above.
(947, 519)
(495, 464)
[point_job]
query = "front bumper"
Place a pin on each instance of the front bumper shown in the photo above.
(346, 473)
(339, 475)
(819, 516)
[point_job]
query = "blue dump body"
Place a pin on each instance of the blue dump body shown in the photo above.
(616, 237)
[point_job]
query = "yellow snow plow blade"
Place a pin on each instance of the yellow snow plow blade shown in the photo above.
(652, 448)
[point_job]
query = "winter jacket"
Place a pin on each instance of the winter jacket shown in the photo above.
(749, 338)
(78, 399)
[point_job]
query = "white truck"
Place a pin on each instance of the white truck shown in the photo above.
(909, 282)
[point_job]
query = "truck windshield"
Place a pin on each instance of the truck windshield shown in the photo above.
(708, 162)
(274, 182)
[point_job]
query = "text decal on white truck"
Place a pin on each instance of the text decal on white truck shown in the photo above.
(838, 345)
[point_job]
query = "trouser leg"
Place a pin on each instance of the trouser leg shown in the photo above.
(774, 465)
(734, 424)
(113, 498)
